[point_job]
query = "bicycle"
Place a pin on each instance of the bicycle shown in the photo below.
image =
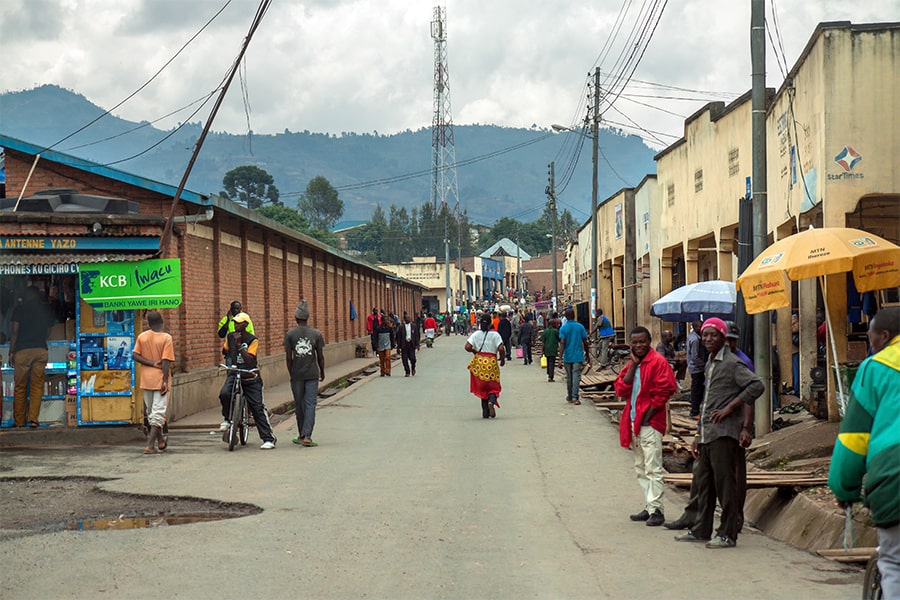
(239, 412)
(872, 580)
(616, 355)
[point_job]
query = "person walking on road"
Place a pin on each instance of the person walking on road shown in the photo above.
(155, 352)
(408, 342)
(573, 345)
(723, 431)
(430, 329)
(305, 361)
(484, 370)
(866, 460)
(504, 328)
(371, 322)
(646, 383)
(550, 340)
(31, 323)
(385, 331)
(526, 338)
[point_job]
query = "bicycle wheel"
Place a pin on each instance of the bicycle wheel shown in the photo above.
(872, 581)
(615, 364)
(237, 402)
(245, 423)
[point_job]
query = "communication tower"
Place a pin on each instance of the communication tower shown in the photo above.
(444, 190)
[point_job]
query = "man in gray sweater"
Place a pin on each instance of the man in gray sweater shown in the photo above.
(723, 432)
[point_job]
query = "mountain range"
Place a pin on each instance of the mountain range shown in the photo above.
(501, 171)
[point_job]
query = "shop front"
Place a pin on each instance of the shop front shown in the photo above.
(96, 297)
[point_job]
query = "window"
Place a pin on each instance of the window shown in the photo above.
(698, 180)
(734, 162)
(670, 193)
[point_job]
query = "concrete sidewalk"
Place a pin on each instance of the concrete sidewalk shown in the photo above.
(277, 396)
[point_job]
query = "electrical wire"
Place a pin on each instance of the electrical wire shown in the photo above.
(142, 125)
(145, 84)
(424, 172)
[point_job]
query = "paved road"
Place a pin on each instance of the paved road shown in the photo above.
(410, 494)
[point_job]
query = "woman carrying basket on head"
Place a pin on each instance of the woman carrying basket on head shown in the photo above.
(484, 371)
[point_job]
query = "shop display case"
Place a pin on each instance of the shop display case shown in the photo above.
(53, 404)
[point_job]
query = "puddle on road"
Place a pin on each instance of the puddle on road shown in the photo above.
(148, 522)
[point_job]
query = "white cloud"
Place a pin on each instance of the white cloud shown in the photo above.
(364, 65)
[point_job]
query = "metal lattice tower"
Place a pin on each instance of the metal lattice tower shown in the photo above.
(444, 190)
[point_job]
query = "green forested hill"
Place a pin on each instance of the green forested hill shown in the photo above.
(509, 183)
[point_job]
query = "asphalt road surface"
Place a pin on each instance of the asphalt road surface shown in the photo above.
(410, 494)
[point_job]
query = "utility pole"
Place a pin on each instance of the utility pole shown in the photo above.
(551, 195)
(761, 329)
(595, 184)
(518, 267)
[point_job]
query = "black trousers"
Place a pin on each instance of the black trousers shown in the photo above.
(551, 366)
(408, 355)
(698, 386)
(692, 510)
(715, 474)
(253, 394)
(526, 353)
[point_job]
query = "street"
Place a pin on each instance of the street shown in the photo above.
(410, 494)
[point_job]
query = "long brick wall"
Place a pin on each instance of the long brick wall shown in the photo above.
(237, 256)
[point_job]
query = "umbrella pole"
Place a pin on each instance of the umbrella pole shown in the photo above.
(837, 373)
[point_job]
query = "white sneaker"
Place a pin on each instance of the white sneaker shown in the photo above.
(267, 446)
(224, 425)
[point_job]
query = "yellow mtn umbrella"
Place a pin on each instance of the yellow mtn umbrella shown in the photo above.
(874, 263)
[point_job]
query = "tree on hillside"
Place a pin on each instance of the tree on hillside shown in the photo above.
(369, 238)
(287, 216)
(320, 204)
(251, 186)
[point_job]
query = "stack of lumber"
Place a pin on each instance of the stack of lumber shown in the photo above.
(761, 479)
(851, 555)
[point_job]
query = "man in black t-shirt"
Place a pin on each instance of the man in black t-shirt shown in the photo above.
(31, 323)
(305, 362)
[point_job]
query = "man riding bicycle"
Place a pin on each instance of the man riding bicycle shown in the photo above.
(240, 350)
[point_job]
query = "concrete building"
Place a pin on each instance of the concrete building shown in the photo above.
(833, 146)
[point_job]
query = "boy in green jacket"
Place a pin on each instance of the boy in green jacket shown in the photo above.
(866, 460)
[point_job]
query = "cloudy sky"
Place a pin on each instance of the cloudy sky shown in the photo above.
(367, 65)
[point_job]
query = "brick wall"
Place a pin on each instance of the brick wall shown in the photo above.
(233, 258)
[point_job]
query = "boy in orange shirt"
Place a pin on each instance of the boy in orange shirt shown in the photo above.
(154, 350)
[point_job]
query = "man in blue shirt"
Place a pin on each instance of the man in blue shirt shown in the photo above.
(606, 334)
(573, 347)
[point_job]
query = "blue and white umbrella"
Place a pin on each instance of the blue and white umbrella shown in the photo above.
(697, 301)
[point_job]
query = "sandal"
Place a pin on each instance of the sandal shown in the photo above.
(163, 442)
(151, 451)
(576, 401)
(308, 443)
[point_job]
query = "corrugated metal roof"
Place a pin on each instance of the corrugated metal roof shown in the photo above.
(52, 258)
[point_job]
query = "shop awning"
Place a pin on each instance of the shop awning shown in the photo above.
(60, 263)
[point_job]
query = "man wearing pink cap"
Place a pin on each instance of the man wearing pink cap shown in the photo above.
(723, 432)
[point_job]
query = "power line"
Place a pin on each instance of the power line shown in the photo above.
(142, 125)
(145, 84)
(424, 172)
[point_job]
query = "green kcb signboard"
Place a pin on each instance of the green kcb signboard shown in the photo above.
(131, 285)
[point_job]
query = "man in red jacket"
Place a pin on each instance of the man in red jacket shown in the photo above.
(646, 383)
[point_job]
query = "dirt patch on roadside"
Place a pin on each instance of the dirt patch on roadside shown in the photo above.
(36, 505)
